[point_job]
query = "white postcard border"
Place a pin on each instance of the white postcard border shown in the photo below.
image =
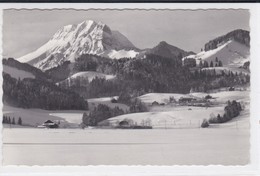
(252, 169)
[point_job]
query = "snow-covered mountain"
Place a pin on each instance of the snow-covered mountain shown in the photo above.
(71, 41)
(227, 49)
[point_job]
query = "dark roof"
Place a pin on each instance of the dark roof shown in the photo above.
(48, 121)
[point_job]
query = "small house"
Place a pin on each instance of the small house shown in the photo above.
(155, 103)
(49, 124)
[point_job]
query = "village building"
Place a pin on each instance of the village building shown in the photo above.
(49, 124)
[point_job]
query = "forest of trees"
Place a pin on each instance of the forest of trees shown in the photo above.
(34, 93)
(11, 120)
(152, 74)
(134, 77)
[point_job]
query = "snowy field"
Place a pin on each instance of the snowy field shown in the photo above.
(35, 117)
(175, 118)
(176, 137)
(125, 147)
(221, 96)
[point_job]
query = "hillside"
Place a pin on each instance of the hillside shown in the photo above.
(231, 53)
(239, 35)
(24, 67)
(16, 73)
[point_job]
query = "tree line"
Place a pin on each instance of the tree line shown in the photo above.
(103, 112)
(9, 120)
(151, 74)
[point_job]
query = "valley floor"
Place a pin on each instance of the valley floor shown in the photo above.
(227, 146)
(176, 137)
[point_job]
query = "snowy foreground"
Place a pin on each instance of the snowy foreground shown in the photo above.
(227, 146)
(176, 137)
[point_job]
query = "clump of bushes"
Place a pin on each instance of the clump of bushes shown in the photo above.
(231, 110)
(100, 113)
(205, 123)
(208, 97)
(135, 104)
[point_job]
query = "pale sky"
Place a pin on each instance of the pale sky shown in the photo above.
(26, 30)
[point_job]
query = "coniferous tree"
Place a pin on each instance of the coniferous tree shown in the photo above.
(220, 63)
(200, 64)
(219, 118)
(206, 64)
(13, 121)
(211, 64)
(19, 121)
(4, 119)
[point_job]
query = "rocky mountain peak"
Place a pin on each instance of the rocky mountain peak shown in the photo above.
(71, 41)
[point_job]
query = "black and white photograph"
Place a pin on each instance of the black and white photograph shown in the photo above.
(142, 87)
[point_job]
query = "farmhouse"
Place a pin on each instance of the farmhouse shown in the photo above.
(155, 103)
(49, 124)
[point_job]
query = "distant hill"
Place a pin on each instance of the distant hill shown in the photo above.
(239, 35)
(231, 49)
(166, 50)
(14, 64)
(28, 87)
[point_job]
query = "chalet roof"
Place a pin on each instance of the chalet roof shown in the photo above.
(48, 121)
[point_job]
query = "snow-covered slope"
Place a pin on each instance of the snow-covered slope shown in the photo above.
(162, 97)
(16, 73)
(231, 53)
(113, 54)
(187, 116)
(90, 75)
(71, 41)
